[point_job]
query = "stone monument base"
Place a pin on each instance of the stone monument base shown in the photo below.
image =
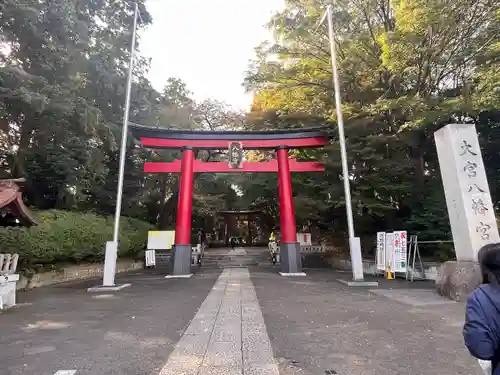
(457, 279)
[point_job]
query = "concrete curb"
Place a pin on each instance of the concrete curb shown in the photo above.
(114, 288)
(358, 283)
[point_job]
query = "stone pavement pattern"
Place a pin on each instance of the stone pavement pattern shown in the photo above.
(243, 321)
(317, 325)
(227, 335)
(130, 332)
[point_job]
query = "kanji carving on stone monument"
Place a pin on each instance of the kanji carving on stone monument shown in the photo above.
(478, 206)
(467, 149)
(474, 187)
(468, 198)
(470, 167)
(484, 230)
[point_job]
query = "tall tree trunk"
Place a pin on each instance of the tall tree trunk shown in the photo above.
(167, 207)
(419, 166)
(168, 210)
(19, 167)
(417, 152)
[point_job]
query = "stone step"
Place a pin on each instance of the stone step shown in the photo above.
(227, 261)
(232, 259)
(216, 259)
(229, 264)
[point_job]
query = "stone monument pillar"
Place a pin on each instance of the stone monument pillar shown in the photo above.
(470, 209)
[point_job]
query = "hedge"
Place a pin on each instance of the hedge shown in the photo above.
(69, 237)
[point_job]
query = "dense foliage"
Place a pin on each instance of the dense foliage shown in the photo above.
(64, 237)
(63, 68)
(407, 68)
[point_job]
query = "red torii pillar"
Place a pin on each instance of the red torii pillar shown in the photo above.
(278, 140)
(290, 259)
(181, 252)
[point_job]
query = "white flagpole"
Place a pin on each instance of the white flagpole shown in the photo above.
(112, 247)
(354, 242)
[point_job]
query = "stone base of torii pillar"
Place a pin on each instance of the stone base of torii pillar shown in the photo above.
(470, 209)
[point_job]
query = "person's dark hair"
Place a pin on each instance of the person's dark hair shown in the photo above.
(489, 261)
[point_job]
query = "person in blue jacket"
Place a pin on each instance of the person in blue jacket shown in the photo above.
(482, 318)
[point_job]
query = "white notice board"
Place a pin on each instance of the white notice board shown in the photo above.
(400, 251)
(161, 240)
(381, 251)
(304, 239)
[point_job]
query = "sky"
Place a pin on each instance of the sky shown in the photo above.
(206, 43)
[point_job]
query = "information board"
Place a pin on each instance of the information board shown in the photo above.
(381, 251)
(161, 240)
(400, 259)
(304, 239)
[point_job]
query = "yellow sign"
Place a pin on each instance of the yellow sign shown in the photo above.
(161, 240)
(170, 236)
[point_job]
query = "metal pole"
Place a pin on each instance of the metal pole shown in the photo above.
(123, 147)
(354, 242)
(111, 253)
(340, 123)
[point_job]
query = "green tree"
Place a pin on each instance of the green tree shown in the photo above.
(407, 68)
(62, 79)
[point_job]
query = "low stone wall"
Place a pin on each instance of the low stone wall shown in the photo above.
(71, 273)
(370, 268)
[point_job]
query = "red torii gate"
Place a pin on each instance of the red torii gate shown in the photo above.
(235, 141)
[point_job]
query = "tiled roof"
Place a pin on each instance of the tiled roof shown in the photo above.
(12, 200)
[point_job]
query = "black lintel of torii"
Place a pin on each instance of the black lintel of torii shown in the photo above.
(169, 133)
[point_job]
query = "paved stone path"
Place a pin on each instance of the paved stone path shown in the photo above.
(243, 321)
(227, 335)
(319, 326)
(130, 332)
(237, 251)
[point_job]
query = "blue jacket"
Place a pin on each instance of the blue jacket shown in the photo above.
(482, 325)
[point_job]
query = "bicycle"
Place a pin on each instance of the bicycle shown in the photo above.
(273, 250)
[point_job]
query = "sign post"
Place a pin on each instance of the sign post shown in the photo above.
(381, 251)
(389, 255)
(400, 261)
(304, 239)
